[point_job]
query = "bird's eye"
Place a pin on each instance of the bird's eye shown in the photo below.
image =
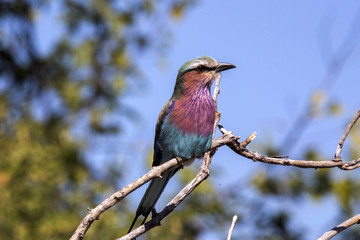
(200, 68)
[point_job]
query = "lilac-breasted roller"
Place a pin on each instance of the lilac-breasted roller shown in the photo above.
(185, 124)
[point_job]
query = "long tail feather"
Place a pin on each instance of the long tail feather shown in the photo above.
(152, 195)
(133, 223)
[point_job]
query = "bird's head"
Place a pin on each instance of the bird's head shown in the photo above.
(199, 72)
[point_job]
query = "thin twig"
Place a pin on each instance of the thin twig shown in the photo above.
(248, 140)
(351, 165)
(344, 136)
(231, 229)
(216, 90)
(341, 227)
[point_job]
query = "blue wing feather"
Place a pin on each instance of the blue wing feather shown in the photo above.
(158, 150)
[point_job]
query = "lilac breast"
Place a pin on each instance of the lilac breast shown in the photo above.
(194, 113)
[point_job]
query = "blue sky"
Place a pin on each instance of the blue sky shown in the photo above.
(277, 47)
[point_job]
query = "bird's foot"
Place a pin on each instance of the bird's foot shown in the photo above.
(180, 162)
(153, 212)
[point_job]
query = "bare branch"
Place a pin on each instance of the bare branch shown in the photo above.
(231, 142)
(94, 214)
(232, 227)
(341, 227)
(344, 136)
(244, 143)
(351, 165)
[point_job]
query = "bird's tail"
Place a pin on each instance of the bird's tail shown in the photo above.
(152, 194)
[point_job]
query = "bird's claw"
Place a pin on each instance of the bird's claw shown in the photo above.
(153, 212)
(180, 161)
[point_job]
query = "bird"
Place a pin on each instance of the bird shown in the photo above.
(185, 124)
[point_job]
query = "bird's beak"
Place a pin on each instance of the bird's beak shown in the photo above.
(224, 66)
